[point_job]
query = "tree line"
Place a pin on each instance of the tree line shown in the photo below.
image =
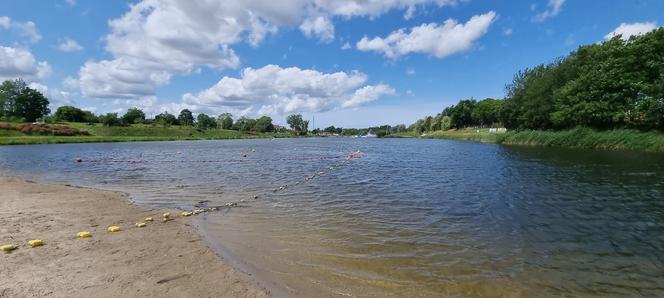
(20, 103)
(614, 84)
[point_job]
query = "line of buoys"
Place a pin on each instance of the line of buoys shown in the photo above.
(167, 215)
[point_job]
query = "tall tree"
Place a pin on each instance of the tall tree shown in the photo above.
(225, 121)
(133, 115)
(69, 114)
(297, 124)
(186, 117)
(204, 121)
(18, 101)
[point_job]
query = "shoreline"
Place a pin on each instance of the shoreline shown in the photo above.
(171, 258)
(578, 138)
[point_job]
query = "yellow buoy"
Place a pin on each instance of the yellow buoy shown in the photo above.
(36, 242)
(165, 219)
(84, 234)
(148, 219)
(185, 213)
(7, 247)
(167, 215)
(114, 229)
(140, 224)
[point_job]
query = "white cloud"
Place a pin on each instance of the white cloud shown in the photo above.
(346, 46)
(508, 31)
(367, 94)
(69, 45)
(626, 30)
(318, 26)
(437, 40)
(275, 90)
(26, 29)
(71, 2)
(410, 71)
(19, 63)
(5, 22)
(156, 39)
(410, 12)
(553, 9)
(120, 78)
(349, 8)
(55, 96)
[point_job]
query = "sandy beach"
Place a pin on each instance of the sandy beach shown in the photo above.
(161, 259)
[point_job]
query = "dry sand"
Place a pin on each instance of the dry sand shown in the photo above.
(163, 259)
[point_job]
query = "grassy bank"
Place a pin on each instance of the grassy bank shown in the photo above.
(133, 133)
(618, 139)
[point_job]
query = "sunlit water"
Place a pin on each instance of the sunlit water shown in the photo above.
(408, 218)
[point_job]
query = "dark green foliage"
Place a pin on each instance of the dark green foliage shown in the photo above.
(110, 119)
(133, 115)
(244, 124)
(225, 121)
(69, 114)
(165, 119)
(264, 124)
(613, 85)
(186, 118)
(20, 102)
(205, 122)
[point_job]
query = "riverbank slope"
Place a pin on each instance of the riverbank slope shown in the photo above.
(618, 139)
(85, 133)
(161, 259)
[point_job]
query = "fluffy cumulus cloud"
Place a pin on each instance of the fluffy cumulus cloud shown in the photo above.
(56, 97)
(553, 9)
(120, 78)
(19, 63)
(275, 90)
(367, 94)
(320, 27)
(433, 39)
(69, 45)
(160, 38)
(626, 30)
(26, 29)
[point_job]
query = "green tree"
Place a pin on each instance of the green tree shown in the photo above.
(244, 124)
(462, 113)
(20, 102)
(446, 123)
(205, 122)
(69, 114)
(487, 112)
(264, 124)
(165, 119)
(110, 119)
(89, 117)
(133, 115)
(186, 117)
(225, 121)
(297, 124)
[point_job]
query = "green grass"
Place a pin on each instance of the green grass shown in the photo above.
(618, 139)
(134, 133)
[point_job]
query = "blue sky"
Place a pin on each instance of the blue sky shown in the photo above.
(348, 63)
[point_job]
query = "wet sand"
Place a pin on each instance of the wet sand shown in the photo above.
(161, 259)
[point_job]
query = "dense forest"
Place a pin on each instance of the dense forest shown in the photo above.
(614, 84)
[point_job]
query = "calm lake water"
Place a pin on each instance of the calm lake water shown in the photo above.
(410, 217)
